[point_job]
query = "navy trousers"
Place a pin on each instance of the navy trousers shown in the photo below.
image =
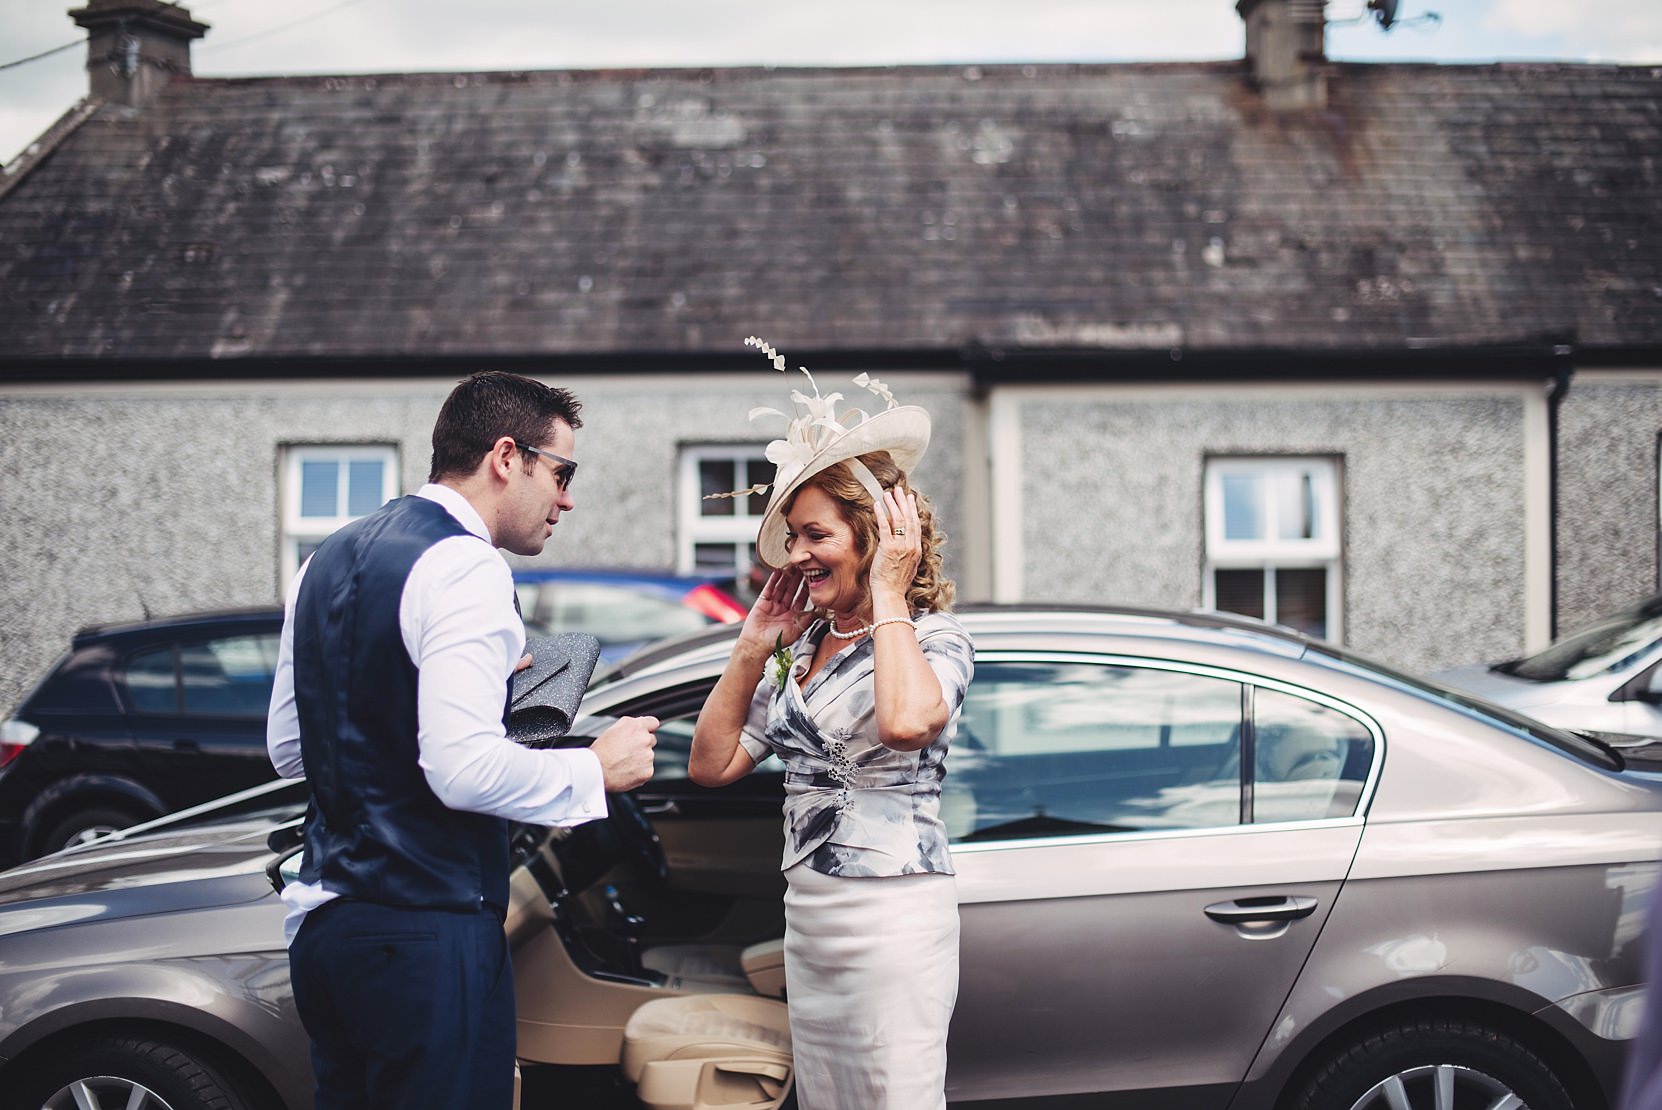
(406, 1008)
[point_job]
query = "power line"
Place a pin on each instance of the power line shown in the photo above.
(281, 27)
(44, 54)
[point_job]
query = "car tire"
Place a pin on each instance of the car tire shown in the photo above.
(84, 823)
(1403, 1065)
(111, 1071)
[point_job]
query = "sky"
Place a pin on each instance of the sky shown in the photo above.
(256, 37)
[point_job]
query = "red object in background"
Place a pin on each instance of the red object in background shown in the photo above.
(715, 603)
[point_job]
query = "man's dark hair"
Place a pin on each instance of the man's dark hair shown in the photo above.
(492, 404)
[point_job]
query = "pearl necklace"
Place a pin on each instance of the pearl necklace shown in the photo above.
(872, 627)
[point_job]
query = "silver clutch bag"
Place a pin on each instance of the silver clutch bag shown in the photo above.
(545, 695)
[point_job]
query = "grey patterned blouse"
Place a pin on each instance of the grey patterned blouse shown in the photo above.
(854, 807)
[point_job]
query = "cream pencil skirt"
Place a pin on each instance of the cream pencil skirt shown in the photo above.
(871, 975)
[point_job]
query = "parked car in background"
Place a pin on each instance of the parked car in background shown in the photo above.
(138, 720)
(1201, 862)
(625, 609)
(134, 721)
(1606, 677)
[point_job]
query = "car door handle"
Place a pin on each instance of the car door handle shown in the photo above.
(1276, 908)
(667, 808)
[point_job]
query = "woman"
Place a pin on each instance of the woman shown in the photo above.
(850, 669)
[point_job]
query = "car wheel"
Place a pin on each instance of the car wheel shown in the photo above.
(87, 824)
(127, 1073)
(1435, 1064)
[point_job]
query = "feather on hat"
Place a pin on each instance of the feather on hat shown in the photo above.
(819, 436)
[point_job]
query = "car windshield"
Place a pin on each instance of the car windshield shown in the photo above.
(1583, 748)
(1610, 645)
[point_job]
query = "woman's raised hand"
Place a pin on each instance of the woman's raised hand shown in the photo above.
(899, 543)
(781, 611)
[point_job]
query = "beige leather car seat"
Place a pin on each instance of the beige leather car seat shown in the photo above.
(725, 967)
(709, 1051)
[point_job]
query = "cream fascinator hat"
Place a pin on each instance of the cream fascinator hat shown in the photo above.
(819, 436)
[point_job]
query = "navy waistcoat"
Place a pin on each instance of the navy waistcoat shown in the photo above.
(376, 831)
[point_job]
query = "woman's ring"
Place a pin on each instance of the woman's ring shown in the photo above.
(900, 531)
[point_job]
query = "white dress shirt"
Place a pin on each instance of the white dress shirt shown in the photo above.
(460, 627)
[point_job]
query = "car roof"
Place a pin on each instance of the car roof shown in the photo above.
(1040, 618)
(624, 575)
(180, 622)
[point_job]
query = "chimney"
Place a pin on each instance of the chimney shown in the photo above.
(1286, 51)
(134, 47)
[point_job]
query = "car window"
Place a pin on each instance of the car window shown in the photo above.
(153, 681)
(229, 677)
(1310, 760)
(1058, 749)
(613, 614)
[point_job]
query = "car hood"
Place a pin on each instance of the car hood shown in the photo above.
(190, 868)
(1497, 686)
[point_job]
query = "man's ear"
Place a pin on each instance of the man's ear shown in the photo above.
(501, 458)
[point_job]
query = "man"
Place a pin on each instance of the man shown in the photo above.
(399, 644)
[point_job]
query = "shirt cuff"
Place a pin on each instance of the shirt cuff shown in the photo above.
(588, 788)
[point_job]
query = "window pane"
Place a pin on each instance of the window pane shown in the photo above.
(1243, 506)
(229, 677)
(1239, 591)
(363, 486)
(1295, 507)
(1301, 600)
(151, 683)
(1059, 749)
(715, 560)
(757, 471)
(319, 488)
(1311, 761)
(716, 476)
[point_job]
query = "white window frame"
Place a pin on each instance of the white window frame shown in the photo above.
(1324, 550)
(694, 528)
(296, 529)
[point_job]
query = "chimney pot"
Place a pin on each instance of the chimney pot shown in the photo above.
(135, 47)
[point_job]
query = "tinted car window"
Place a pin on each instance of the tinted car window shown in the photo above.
(1310, 761)
(229, 677)
(153, 681)
(1048, 749)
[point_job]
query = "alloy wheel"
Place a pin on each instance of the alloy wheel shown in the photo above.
(1439, 1087)
(105, 1092)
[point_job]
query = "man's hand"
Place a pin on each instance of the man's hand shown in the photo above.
(625, 752)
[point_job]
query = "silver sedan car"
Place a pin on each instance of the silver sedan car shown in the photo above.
(1606, 677)
(1203, 863)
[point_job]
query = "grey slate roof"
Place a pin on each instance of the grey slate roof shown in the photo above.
(1123, 206)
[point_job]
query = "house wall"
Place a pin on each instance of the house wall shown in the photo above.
(163, 499)
(1609, 428)
(1443, 551)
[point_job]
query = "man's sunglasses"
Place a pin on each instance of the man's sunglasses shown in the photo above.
(564, 469)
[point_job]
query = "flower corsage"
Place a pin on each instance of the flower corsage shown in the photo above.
(781, 661)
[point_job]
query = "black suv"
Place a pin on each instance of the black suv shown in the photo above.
(135, 721)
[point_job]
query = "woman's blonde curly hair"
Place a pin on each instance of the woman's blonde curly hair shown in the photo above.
(931, 590)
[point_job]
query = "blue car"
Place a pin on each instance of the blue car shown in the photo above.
(625, 609)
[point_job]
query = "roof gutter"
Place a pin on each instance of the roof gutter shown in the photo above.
(987, 366)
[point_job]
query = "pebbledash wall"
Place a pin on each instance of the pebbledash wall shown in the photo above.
(164, 498)
(1608, 510)
(1443, 493)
